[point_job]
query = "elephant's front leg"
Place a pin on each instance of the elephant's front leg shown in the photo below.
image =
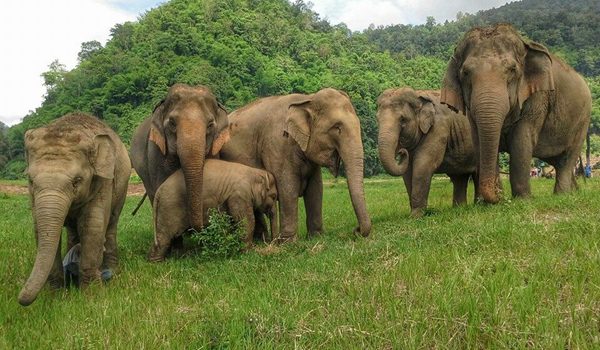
(520, 147)
(242, 212)
(287, 189)
(422, 172)
(92, 227)
(313, 203)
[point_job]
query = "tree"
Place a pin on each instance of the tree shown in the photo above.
(88, 48)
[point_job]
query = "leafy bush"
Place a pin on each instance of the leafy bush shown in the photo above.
(221, 238)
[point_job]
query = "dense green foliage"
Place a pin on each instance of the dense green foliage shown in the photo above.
(521, 274)
(244, 49)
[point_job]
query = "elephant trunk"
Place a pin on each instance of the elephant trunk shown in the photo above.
(191, 147)
(353, 157)
(272, 214)
(50, 209)
(489, 109)
(389, 134)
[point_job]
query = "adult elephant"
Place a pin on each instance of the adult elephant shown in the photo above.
(431, 139)
(520, 99)
(292, 136)
(184, 128)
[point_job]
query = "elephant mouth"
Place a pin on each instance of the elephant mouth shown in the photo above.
(334, 163)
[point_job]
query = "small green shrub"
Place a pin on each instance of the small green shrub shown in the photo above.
(221, 238)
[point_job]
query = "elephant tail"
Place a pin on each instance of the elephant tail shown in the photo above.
(139, 204)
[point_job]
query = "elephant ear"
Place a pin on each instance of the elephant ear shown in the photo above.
(224, 133)
(537, 71)
(298, 123)
(156, 134)
(426, 114)
(451, 93)
(260, 188)
(103, 158)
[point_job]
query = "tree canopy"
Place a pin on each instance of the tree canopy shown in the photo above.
(245, 49)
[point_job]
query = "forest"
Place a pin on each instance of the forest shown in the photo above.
(245, 49)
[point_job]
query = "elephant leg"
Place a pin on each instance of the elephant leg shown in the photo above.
(423, 167)
(91, 257)
(170, 222)
(565, 178)
(313, 203)
(459, 195)
(521, 153)
(288, 213)
(242, 211)
(56, 279)
(111, 255)
(407, 177)
(421, 183)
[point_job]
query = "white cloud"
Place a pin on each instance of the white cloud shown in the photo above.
(34, 33)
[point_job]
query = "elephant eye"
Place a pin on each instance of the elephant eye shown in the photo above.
(76, 181)
(171, 123)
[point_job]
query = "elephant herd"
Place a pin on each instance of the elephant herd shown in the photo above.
(500, 93)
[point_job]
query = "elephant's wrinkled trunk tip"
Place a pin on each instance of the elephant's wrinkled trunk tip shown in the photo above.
(488, 190)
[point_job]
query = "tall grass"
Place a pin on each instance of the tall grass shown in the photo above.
(521, 274)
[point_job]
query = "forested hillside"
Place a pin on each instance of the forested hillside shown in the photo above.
(244, 49)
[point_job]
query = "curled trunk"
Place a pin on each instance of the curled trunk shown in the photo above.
(50, 210)
(388, 143)
(191, 148)
(353, 158)
(273, 222)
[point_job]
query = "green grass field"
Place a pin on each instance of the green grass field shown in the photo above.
(521, 274)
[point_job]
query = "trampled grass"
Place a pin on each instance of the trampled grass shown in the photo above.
(521, 274)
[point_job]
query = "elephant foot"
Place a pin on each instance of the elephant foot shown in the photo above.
(157, 254)
(316, 233)
(417, 213)
(89, 277)
(56, 282)
(284, 240)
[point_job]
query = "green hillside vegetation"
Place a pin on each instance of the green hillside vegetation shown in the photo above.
(244, 49)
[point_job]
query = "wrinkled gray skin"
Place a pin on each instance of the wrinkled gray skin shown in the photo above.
(78, 171)
(188, 125)
(431, 139)
(240, 190)
(520, 99)
(292, 136)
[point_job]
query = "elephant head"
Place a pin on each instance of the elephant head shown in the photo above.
(327, 129)
(492, 73)
(265, 199)
(66, 168)
(404, 116)
(188, 125)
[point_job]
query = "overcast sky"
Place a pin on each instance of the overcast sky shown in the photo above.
(33, 33)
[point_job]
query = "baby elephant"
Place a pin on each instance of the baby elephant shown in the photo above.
(240, 190)
(78, 171)
(430, 139)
